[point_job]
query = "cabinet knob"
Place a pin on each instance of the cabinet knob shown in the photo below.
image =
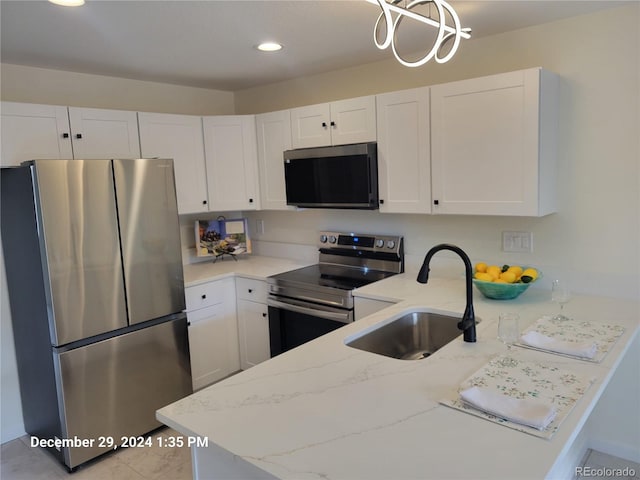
(436, 202)
(333, 124)
(251, 290)
(264, 315)
(381, 201)
(251, 200)
(204, 202)
(324, 124)
(65, 135)
(78, 135)
(204, 296)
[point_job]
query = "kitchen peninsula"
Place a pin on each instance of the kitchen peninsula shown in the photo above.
(325, 410)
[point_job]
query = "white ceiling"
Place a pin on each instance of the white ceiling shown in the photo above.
(209, 43)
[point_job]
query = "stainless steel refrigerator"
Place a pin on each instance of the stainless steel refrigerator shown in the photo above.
(94, 272)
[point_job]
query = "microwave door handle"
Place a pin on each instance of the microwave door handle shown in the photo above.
(338, 317)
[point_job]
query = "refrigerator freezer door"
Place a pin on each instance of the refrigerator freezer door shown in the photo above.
(113, 388)
(150, 232)
(80, 247)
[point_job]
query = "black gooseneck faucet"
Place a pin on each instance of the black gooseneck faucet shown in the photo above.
(468, 322)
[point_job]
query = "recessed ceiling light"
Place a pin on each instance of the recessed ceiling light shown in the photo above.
(269, 47)
(68, 3)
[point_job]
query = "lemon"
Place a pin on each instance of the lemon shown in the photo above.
(500, 280)
(485, 277)
(517, 270)
(532, 273)
(481, 267)
(494, 271)
(508, 277)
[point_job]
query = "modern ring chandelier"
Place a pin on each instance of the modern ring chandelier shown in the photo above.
(445, 32)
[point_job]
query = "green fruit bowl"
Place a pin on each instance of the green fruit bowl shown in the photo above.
(503, 291)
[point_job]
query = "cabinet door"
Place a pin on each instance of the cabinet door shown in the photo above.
(213, 338)
(32, 131)
(274, 137)
(404, 169)
(253, 329)
(486, 145)
(232, 162)
(178, 137)
(353, 121)
(310, 126)
(98, 133)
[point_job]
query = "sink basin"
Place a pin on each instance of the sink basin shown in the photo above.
(411, 336)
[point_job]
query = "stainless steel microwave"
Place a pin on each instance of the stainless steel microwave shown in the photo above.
(344, 176)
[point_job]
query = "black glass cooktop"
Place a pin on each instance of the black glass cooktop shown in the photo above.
(333, 276)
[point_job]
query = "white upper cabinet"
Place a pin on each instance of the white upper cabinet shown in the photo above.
(178, 137)
(493, 144)
(404, 170)
(31, 131)
(274, 137)
(98, 133)
(336, 123)
(232, 162)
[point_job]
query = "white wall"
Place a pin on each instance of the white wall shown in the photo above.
(55, 87)
(593, 239)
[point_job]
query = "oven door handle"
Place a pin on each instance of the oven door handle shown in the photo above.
(336, 316)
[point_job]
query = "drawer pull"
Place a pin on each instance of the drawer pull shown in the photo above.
(251, 290)
(204, 296)
(264, 315)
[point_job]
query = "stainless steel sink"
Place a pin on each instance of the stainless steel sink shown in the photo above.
(412, 336)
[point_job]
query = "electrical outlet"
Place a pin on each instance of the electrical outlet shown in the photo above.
(521, 242)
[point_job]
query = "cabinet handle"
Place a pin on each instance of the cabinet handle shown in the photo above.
(324, 124)
(204, 202)
(250, 290)
(65, 135)
(78, 135)
(381, 201)
(204, 296)
(333, 124)
(264, 315)
(251, 200)
(436, 202)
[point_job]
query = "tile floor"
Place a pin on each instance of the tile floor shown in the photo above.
(598, 466)
(20, 461)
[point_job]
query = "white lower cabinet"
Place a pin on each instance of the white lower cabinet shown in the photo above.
(213, 331)
(253, 322)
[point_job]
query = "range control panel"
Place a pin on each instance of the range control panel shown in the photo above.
(363, 242)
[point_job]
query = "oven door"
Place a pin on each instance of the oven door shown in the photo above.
(294, 322)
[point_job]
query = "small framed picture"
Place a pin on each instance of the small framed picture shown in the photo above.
(215, 238)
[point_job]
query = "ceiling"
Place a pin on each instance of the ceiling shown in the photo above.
(210, 43)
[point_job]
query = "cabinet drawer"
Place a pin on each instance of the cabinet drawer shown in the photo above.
(251, 289)
(205, 295)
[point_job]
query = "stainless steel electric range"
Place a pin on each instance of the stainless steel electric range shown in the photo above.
(311, 301)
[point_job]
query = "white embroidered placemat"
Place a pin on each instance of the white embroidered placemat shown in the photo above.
(525, 379)
(604, 335)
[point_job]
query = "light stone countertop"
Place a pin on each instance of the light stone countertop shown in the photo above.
(325, 410)
(247, 266)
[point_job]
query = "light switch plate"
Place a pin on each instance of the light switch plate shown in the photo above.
(521, 242)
